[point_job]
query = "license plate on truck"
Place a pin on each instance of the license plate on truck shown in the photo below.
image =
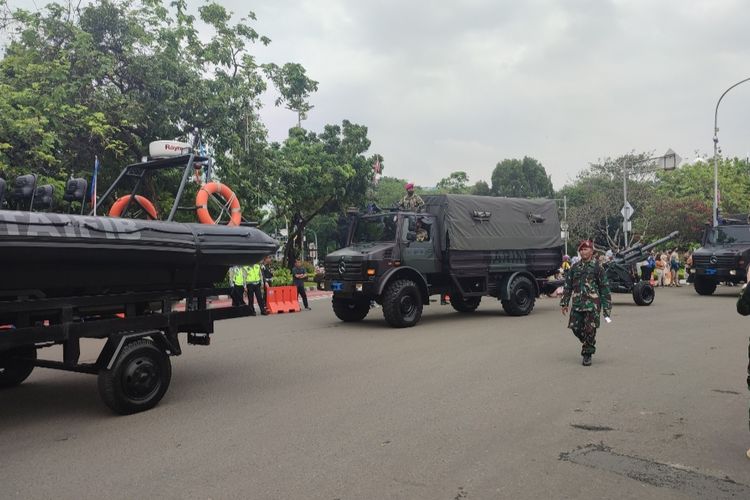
(337, 286)
(710, 272)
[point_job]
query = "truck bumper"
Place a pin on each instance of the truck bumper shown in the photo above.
(351, 289)
(720, 274)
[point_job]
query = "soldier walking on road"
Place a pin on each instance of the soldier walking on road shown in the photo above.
(586, 283)
(743, 307)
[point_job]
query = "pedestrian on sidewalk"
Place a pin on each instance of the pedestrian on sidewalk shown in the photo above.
(586, 284)
(300, 274)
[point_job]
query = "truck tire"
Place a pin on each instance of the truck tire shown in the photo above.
(402, 304)
(349, 310)
(643, 293)
(138, 379)
(521, 297)
(465, 304)
(13, 371)
(704, 286)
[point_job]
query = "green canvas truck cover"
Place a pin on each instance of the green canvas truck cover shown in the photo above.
(494, 223)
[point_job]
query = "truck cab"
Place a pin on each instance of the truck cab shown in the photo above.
(723, 257)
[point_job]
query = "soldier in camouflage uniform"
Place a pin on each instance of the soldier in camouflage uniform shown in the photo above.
(411, 202)
(586, 282)
(743, 307)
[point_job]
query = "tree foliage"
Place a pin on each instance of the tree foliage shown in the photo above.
(524, 178)
(455, 183)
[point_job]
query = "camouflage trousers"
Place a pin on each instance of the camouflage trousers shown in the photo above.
(584, 324)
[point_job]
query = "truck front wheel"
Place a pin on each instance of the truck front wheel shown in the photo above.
(704, 286)
(350, 310)
(521, 297)
(402, 304)
(138, 379)
(16, 365)
(465, 304)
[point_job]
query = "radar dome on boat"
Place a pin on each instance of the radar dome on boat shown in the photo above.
(168, 149)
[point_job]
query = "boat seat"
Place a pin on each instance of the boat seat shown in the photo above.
(43, 197)
(24, 188)
(75, 190)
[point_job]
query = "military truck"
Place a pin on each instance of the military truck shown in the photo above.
(464, 246)
(723, 257)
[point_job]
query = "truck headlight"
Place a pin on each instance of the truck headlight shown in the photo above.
(358, 287)
(733, 272)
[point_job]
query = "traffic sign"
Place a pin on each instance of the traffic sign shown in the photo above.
(627, 211)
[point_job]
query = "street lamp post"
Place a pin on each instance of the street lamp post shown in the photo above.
(668, 161)
(716, 151)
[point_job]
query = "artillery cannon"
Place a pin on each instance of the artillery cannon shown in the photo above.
(624, 277)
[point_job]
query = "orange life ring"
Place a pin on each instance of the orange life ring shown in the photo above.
(119, 206)
(201, 203)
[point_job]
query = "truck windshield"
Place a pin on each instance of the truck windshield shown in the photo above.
(727, 235)
(376, 228)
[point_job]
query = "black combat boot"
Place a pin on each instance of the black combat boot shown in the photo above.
(587, 360)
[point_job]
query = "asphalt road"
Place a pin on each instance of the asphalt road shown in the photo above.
(474, 406)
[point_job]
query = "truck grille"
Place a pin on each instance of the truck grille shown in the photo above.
(724, 261)
(352, 270)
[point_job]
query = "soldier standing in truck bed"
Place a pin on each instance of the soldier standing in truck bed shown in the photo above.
(586, 283)
(411, 202)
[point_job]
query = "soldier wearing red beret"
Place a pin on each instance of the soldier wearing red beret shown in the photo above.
(586, 284)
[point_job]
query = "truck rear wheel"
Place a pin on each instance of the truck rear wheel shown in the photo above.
(465, 304)
(138, 379)
(402, 304)
(643, 293)
(16, 365)
(521, 297)
(704, 286)
(350, 310)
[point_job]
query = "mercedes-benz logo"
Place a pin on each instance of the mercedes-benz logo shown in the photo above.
(713, 259)
(342, 266)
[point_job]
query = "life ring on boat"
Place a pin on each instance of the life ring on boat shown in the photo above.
(118, 207)
(201, 203)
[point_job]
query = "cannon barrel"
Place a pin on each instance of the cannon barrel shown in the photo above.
(638, 252)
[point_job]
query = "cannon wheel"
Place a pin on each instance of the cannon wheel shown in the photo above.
(643, 293)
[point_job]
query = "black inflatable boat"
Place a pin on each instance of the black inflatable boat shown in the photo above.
(63, 255)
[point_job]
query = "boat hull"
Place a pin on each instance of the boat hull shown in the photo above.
(63, 255)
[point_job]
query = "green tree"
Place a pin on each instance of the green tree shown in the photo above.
(320, 174)
(481, 188)
(524, 178)
(295, 88)
(109, 77)
(455, 183)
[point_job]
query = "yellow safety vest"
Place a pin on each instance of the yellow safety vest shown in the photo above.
(253, 273)
(239, 276)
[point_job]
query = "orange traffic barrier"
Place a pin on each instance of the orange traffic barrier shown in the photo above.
(281, 299)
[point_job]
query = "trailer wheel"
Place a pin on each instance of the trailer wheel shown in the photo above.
(402, 304)
(465, 304)
(643, 293)
(138, 379)
(520, 297)
(350, 310)
(704, 286)
(13, 370)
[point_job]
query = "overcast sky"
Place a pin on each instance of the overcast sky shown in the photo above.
(445, 86)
